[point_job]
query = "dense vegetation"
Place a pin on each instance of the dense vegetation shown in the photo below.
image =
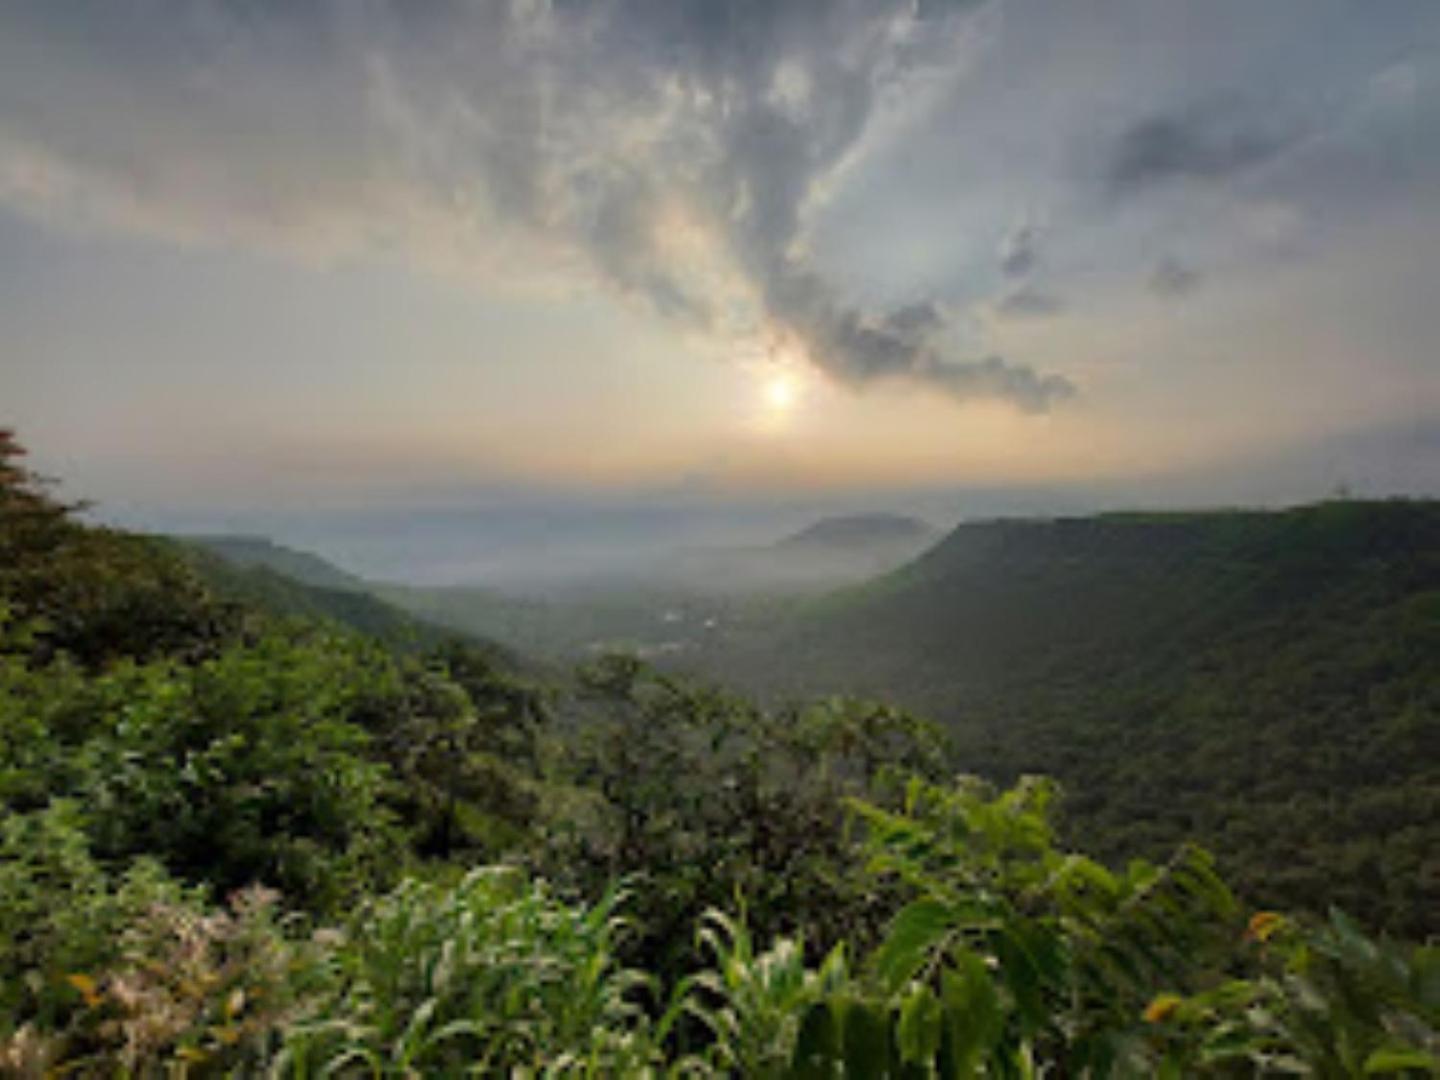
(235, 575)
(1265, 682)
(238, 841)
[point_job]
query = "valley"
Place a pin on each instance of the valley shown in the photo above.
(1230, 676)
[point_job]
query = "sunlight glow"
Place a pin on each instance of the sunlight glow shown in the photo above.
(781, 394)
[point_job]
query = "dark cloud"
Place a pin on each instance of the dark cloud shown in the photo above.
(1019, 251)
(906, 345)
(1029, 302)
(922, 318)
(995, 377)
(621, 237)
(1202, 142)
(1172, 277)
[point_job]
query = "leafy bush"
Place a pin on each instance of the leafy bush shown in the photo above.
(238, 768)
(1011, 958)
(1014, 959)
(62, 912)
(753, 1004)
(196, 990)
(491, 975)
(1324, 1001)
(711, 798)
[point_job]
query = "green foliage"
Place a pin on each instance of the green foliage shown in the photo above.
(242, 767)
(711, 798)
(1013, 955)
(231, 746)
(753, 1004)
(61, 911)
(1010, 959)
(1326, 1001)
(1263, 682)
(461, 738)
(302, 758)
(490, 976)
(258, 586)
(96, 595)
(162, 750)
(1014, 959)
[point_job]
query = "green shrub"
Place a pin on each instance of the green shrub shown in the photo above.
(62, 913)
(709, 797)
(240, 768)
(490, 975)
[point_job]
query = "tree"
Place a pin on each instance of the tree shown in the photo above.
(97, 594)
(30, 520)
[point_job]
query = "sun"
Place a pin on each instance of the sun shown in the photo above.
(781, 393)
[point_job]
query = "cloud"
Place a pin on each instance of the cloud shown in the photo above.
(905, 344)
(676, 152)
(1019, 251)
(1029, 302)
(994, 377)
(1208, 141)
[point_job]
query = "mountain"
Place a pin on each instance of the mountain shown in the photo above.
(301, 566)
(831, 553)
(264, 576)
(1265, 681)
(861, 532)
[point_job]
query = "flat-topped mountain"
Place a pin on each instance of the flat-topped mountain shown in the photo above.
(831, 553)
(856, 531)
(998, 602)
(1235, 676)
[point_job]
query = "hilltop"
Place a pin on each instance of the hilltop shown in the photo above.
(257, 573)
(861, 531)
(828, 554)
(1238, 676)
(302, 566)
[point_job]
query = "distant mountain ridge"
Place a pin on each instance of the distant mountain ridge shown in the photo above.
(279, 580)
(302, 566)
(1001, 597)
(1231, 675)
(830, 553)
(861, 531)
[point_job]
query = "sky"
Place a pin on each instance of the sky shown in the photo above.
(431, 284)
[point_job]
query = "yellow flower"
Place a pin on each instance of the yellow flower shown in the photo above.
(1161, 1008)
(86, 985)
(1263, 925)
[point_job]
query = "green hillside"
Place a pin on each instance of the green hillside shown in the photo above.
(260, 551)
(260, 587)
(233, 844)
(1267, 682)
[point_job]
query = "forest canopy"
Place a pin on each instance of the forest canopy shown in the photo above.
(237, 839)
